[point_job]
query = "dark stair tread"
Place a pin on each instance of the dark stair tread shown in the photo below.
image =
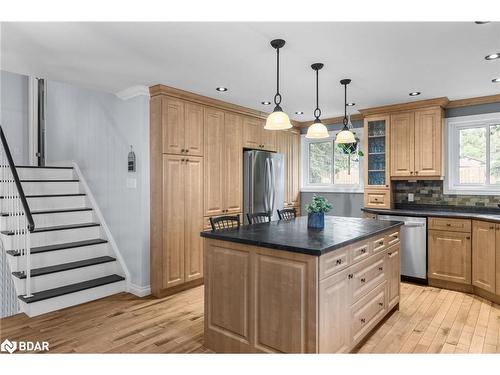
(44, 167)
(52, 195)
(68, 180)
(57, 227)
(65, 266)
(55, 211)
(72, 288)
(62, 246)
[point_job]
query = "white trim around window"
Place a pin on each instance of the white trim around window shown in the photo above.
(452, 153)
(329, 188)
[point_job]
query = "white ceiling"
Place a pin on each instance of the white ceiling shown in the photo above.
(384, 60)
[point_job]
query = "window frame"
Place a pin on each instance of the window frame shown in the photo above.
(330, 188)
(453, 126)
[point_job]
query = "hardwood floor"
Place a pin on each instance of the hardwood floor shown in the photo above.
(430, 320)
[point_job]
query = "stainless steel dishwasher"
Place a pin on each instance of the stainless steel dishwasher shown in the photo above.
(413, 246)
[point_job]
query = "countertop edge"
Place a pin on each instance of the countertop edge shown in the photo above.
(431, 213)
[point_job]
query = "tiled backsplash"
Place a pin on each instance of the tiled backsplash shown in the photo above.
(431, 192)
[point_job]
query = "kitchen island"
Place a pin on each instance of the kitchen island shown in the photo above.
(280, 287)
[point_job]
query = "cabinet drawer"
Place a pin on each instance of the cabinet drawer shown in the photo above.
(450, 225)
(359, 251)
(392, 238)
(333, 262)
(366, 276)
(377, 198)
(367, 312)
(379, 244)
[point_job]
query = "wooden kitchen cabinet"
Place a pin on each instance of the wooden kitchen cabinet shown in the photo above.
(223, 187)
(483, 255)
(182, 131)
(256, 137)
(288, 144)
(183, 219)
(402, 144)
(497, 256)
(393, 265)
(449, 256)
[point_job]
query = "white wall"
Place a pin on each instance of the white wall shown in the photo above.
(14, 114)
(96, 129)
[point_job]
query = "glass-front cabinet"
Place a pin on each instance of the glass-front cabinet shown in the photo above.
(377, 180)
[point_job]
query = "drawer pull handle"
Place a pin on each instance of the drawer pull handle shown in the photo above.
(381, 304)
(339, 261)
(380, 243)
(350, 276)
(492, 227)
(467, 238)
(363, 250)
(363, 280)
(381, 268)
(363, 320)
(389, 254)
(448, 225)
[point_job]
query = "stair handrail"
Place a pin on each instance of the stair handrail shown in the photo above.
(13, 170)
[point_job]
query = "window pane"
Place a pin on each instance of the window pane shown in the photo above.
(495, 154)
(472, 163)
(320, 162)
(346, 168)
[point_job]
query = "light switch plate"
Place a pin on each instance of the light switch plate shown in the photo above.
(132, 183)
(411, 197)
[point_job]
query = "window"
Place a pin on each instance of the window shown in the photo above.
(327, 168)
(473, 155)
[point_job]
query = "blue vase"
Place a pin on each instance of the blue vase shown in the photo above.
(316, 220)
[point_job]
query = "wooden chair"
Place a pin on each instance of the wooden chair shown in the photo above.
(259, 217)
(225, 222)
(287, 214)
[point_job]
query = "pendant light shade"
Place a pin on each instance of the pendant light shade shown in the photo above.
(317, 130)
(278, 120)
(345, 135)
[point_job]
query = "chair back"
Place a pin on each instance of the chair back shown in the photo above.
(225, 222)
(287, 214)
(259, 217)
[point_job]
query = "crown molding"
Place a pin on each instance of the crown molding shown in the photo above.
(132, 92)
(474, 101)
(436, 102)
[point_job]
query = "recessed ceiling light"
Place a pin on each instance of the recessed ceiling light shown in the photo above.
(221, 88)
(351, 104)
(481, 22)
(265, 103)
(496, 80)
(493, 56)
(299, 112)
(415, 93)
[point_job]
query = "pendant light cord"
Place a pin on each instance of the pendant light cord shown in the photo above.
(317, 111)
(277, 97)
(345, 121)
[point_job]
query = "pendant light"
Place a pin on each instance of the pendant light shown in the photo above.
(278, 120)
(317, 129)
(345, 135)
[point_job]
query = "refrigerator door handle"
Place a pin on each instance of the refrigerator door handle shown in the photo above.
(266, 186)
(250, 181)
(273, 186)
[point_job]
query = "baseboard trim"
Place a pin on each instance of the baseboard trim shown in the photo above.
(178, 288)
(139, 291)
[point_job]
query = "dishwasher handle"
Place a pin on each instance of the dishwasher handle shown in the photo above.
(414, 225)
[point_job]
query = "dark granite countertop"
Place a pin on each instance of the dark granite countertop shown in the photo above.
(459, 212)
(294, 235)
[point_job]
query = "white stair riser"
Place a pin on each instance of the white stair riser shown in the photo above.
(72, 299)
(45, 174)
(52, 219)
(57, 279)
(51, 258)
(53, 203)
(56, 237)
(37, 188)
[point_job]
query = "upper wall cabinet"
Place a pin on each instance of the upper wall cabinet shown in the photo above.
(182, 127)
(256, 137)
(417, 144)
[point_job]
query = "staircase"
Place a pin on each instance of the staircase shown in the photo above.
(67, 253)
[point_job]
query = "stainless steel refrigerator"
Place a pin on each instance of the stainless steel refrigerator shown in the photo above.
(263, 183)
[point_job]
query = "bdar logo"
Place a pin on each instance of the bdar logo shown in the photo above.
(8, 346)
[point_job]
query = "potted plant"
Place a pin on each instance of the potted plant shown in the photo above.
(316, 212)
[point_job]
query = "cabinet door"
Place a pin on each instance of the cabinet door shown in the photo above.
(214, 162)
(376, 149)
(428, 143)
(193, 213)
(252, 133)
(497, 273)
(294, 174)
(393, 274)
(268, 138)
(233, 149)
(402, 151)
(334, 335)
(283, 147)
(449, 256)
(483, 255)
(193, 129)
(173, 125)
(173, 220)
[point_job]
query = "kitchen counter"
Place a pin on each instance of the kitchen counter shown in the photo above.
(294, 235)
(460, 212)
(280, 287)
